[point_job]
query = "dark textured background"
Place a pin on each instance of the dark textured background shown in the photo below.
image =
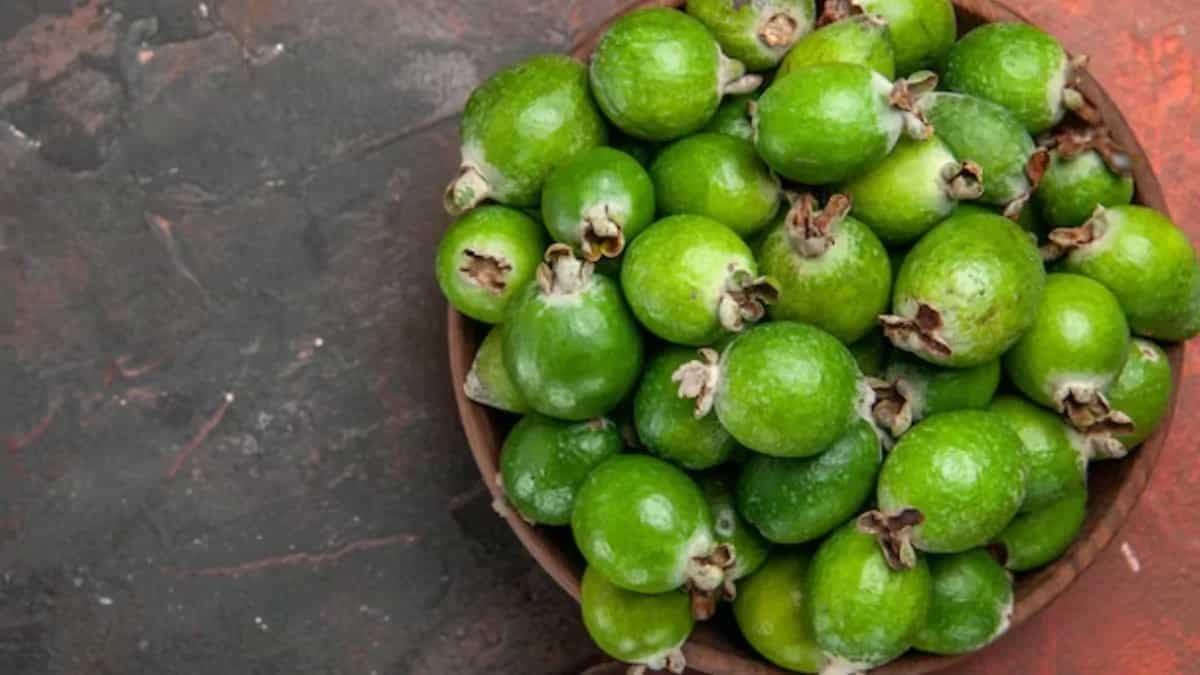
(242, 196)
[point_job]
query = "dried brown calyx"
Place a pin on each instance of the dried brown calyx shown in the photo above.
(778, 30)
(466, 191)
(1063, 240)
(919, 334)
(1072, 139)
(836, 10)
(674, 662)
(894, 532)
(963, 180)
(745, 299)
(893, 407)
(601, 235)
(906, 97)
(697, 380)
(1035, 171)
(1086, 408)
(808, 228)
(709, 580)
(562, 273)
(1073, 98)
(733, 78)
(487, 271)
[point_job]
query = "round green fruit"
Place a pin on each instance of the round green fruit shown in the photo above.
(544, 461)
(667, 425)
(1039, 537)
(728, 526)
(1073, 187)
(922, 31)
(912, 390)
(831, 270)
(1056, 455)
(772, 612)
(733, 117)
(717, 176)
(864, 613)
(690, 280)
(967, 291)
(636, 628)
(519, 125)
(859, 39)
(598, 201)
(1142, 391)
(658, 74)
(972, 603)
(756, 33)
(488, 381)
(485, 258)
(570, 343)
(792, 501)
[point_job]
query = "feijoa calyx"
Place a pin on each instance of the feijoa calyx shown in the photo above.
(667, 425)
(756, 33)
(1086, 170)
(1142, 391)
(597, 202)
(911, 390)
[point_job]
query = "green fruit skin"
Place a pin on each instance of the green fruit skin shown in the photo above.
(1079, 336)
(733, 117)
(826, 122)
(1036, 538)
(792, 501)
(871, 352)
(655, 74)
(942, 390)
(495, 231)
(544, 460)
(1073, 188)
(841, 291)
(862, 610)
(675, 273)
(922, 31)
(1142, 390)
(737, 28)
(633, 627)
(787, 389)
(717, 176)
(772, 612)
(667, 424)
(729, 527)
(527, 119)
(573, 357)
(597, 178)
(987, 134)
(972, 603)
(904, 195)
(983, 274)
(857, 39)
(1056, 455)
(964, 470)
(1013, 64)
(1149, 264)
(638, 521)
(488, 382)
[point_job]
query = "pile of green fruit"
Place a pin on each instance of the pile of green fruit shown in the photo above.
(797, 324)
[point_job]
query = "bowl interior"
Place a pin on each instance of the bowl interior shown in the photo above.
(1114, 487)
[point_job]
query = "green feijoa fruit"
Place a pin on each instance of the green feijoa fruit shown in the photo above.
(1073, 187)
(871, 353)
(1143, 392)
(645, 526)
(772, 613)
(597, 202)
(486, 257)
(967, 291)
(544, 460)
(859, 39)
(952, 483)
(792, 501)
(728, 525)
(990, 136)
(826, 122)
(717, 176)
(911, 190)
(1145, 260)
(667, 425)
(1073, 351)
(756, 33)
(519, 125)
(733, 117)
(864, 613)
(832, 271)
(1056, 455)
(690, 279)
(1038, 537)
(771, 376)
(911, 390)
(972, 603)
(488, 381)
(658, 74)
(570, 343)
(636, 628)
(1018, 66)
(922, 31)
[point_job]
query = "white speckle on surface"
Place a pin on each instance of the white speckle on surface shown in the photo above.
(143, 645)
(229, 397)
(1131, 558)
(104, 600)
(258, 619)
(319, 342)
(78, 581)
(202, 8)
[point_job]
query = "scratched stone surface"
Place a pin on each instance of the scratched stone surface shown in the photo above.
(229, 444)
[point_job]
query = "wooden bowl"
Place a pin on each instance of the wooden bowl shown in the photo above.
(1114, 487)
